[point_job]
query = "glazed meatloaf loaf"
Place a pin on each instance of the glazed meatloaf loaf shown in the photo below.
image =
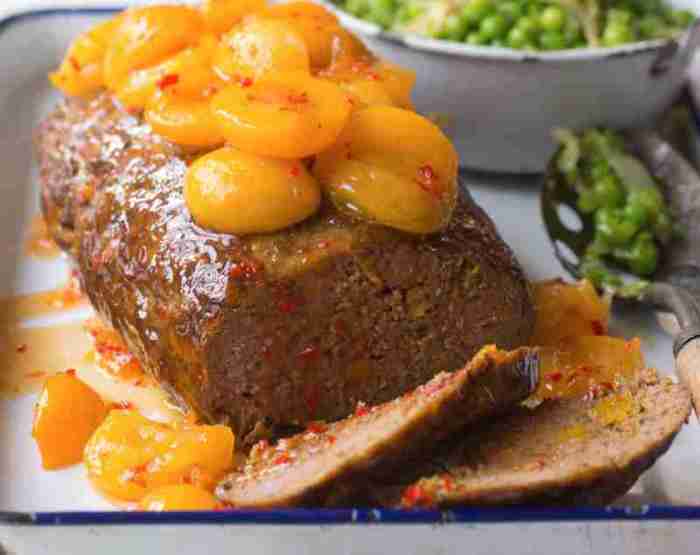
(276, 329)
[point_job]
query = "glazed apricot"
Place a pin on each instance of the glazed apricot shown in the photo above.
(366, 92)
(314, 23)
(393, 167)
(81, 72)
(286, 115)
(221, 15)
(230, 191)
(587, 365)
(146, 36)
(187, 73)
(398, 82)
(181, 497)
(129, 456)
(260, 46)
(568, 310)
(66, 415)
(184, 121)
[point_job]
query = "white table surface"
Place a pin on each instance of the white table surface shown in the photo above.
(584, 538)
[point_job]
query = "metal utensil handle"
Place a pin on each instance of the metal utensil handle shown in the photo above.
(688, 370)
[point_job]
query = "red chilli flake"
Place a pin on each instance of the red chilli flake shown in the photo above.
(168, 80)
(126, 405)
(245, 82)
(555, 376)
(295, 171)
(282, 458)
(301, 98)
(598, 327)
(287, 306)
(309, 353)
(74, 63)
(361, 409)
(412, 496)
(71, 371)
(22, 348)
(316, 427)
(428, 181)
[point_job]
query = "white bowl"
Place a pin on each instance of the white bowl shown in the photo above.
(502, 104)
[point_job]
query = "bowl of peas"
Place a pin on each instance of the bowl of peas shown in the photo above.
(500, 75)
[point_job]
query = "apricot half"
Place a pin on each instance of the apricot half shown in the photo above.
(260, 46)
(146, 36)
(234, 192)
(187, 73)
(184, 121)
(181, 497)
(221, 15)
(81, 72)
(66, 414)
(394, 167)
(315, 24)
(128, 455)
(286, 115)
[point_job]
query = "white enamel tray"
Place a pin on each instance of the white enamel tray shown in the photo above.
(31, 45)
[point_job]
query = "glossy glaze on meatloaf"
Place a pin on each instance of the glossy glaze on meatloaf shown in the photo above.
(275, 329)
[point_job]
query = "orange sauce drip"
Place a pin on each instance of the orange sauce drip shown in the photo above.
(30, 355)
(38, 243)
(17, 308)
(114, 356)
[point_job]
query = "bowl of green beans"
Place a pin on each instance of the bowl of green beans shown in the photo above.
(500, 75)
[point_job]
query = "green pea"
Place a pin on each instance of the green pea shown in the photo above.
(381, 12)
(360, 8)
(616, 15)
(475, 10)
(552, 18)
(587, 201)
(611, 225)
(528, 25)
(637, 214)
(609, 192)
(650, 198)
(454, 28)
(643, 257)
(552, 40)
(517, 38)
(600, 169)
(475, 39)
(663, 227)
(682, 18)
(510, 10)
(651, 27)
(493, 26)
(409, 12)
(616, 34)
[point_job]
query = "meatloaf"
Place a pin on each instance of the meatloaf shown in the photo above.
(302, 469)
(276, 329)
(571, 451)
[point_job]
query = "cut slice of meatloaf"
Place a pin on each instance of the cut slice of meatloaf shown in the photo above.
(276, 329)
(573, 452)
(300, 470)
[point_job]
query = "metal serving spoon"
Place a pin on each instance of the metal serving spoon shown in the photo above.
(675, 287)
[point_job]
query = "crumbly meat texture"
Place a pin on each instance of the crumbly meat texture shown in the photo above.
(567, 452)
(302, 469)
(268, 330)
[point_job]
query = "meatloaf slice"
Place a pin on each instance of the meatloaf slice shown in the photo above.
(563, 452)
(300, 470)
(276, 329)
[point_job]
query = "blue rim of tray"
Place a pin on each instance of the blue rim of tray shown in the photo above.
(331, 516)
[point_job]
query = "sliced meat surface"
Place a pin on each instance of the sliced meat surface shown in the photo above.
(563, 452)
(301, 470)
(272, 330)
